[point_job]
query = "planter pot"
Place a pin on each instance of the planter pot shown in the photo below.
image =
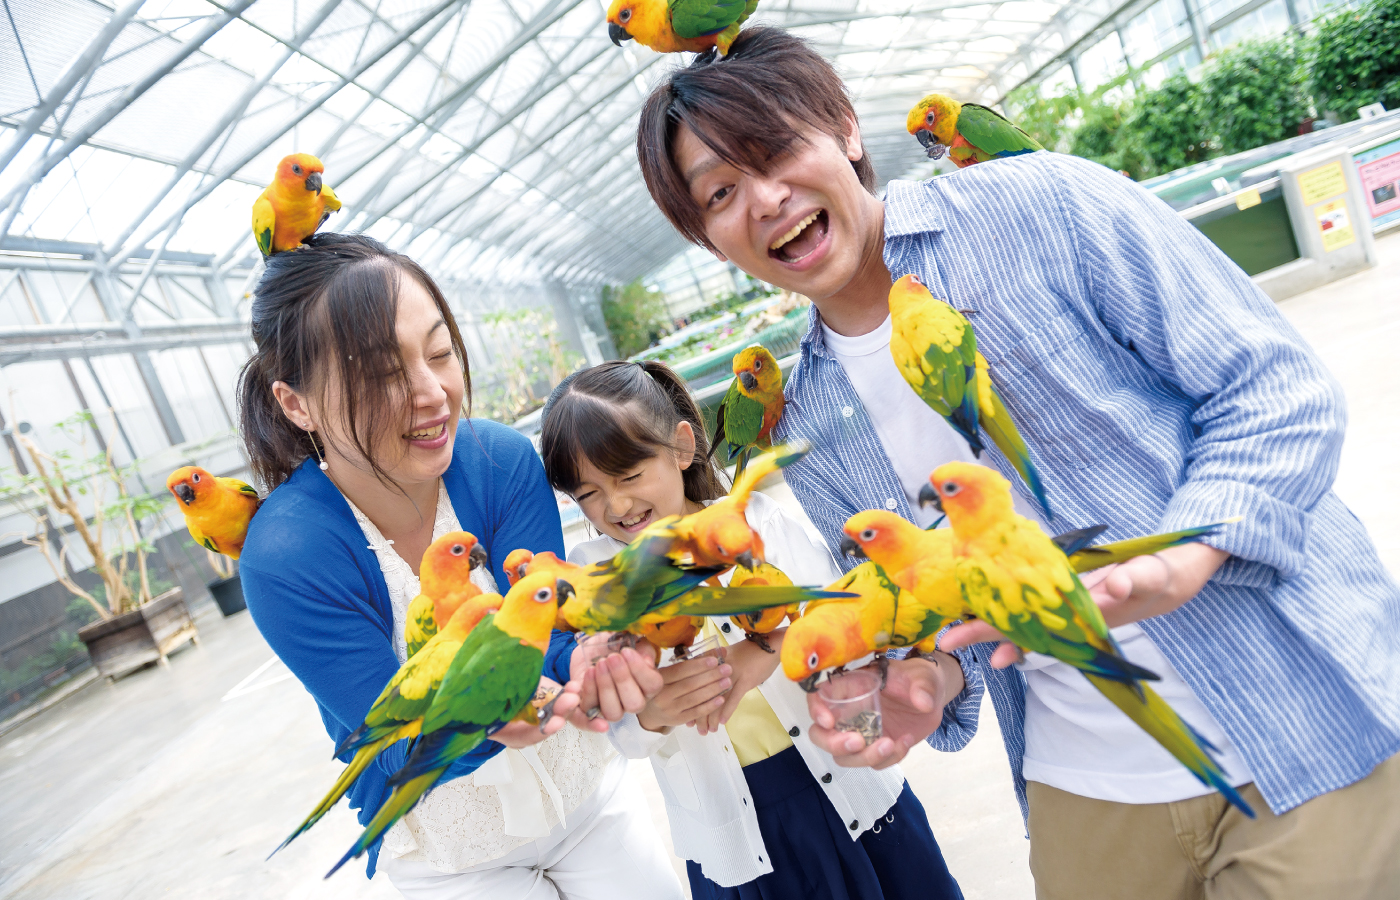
(131, 640)
(228, 593)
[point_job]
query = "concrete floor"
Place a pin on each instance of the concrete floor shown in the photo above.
(179, 782)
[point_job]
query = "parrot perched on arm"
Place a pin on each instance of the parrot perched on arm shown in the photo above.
(217, 510)
(490, 680)
(832, 633)
(1014, 577)
(719, 534)
(445, 584)
(935, 349)
(751, 407)
(674, 26)
(967, 132)
(757, 626)
(296, 204)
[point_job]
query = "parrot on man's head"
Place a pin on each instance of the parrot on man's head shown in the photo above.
(968, 132)
(217, 510)
(674, 26)
(1015, 578)
(751, 407)
(293, 206)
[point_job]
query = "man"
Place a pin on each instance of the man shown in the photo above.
(1157, 389)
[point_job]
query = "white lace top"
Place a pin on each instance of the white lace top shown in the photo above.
(516, 797)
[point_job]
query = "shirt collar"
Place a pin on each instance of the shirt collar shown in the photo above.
(912, 207)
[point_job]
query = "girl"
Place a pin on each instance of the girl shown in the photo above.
(350, 413)
(754, 806)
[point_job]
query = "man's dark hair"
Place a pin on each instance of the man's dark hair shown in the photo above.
(749, 108)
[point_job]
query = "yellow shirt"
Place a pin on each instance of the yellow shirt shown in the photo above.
(755, 732)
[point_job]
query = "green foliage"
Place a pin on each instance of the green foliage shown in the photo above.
(1168, 128)
(529, 354)
(636, 316)
(1354, 59)
(1252, 94)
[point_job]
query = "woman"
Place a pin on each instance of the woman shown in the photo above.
(349, 411)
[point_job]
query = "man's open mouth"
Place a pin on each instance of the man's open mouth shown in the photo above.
(801, 239)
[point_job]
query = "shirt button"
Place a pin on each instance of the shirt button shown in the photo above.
(746, 800)
(855, 826)
(826, 779)
(794, 731)
(890, 504)
(847, 411)
(724, 628)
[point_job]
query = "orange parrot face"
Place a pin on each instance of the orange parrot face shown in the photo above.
(620, 15)
(726, 538)
(190, 484)
(301, 170)
(758, 371)
(451, 558)
(873, 534)
(517, 564)
(963, 491)
(934, 121)
(807, 650)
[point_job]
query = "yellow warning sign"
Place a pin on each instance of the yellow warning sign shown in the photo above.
(1335, 225)
(1246, 199)
(1323, 182)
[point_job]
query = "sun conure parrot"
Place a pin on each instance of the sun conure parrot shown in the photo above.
(489, 681)
(296, 204)
(757, 626)
(444, 584)
(517, 563)
(832, 633)
(398, 711)
(935, 349)
(751, 407)
(217, 510)
(967, 132)
(1015, 578)
(673, 26)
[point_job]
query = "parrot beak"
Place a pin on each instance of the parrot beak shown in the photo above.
(563, 590)
(850, 548)
(478, 557)
(313, 182)
(745, 559)
(929, 497)
(749, 382)
(925, 137)
(185, 493)
(809, 684)
(618, 33)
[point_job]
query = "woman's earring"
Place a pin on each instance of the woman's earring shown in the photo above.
(312, 435)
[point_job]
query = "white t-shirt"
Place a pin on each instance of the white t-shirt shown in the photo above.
(1075, 739)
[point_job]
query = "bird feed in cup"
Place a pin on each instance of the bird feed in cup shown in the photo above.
(712, 646)
(604, 643)
(854, 699)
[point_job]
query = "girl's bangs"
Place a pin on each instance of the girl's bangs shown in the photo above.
(614, 439)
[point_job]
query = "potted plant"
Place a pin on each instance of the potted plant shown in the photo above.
(227, 588)
(87, 494)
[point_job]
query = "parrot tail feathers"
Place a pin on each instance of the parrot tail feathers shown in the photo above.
(1086, 559)
(362, 760)
(1002, 430)
(404, 798)
(1072, 542)
(1178, 738)
(1105, 664)
(436, 751)
(749, 600)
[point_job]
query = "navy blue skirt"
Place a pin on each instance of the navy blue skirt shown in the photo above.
(813, 855)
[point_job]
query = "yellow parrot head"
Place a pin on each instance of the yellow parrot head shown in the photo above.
(722, 534)
(875, 534)
(808, 648)
(300, 171)
(449, 560)
(190, 485)
(516, 564)
(529, 608)
(934, 121)
(626, 15)
(967, 493)
(758, 371)
(906, 292)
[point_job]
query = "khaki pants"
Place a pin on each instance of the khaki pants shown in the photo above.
(1340, 846)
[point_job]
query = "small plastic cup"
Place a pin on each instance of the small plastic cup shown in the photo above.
(712, 646)
(854, 699)
(602, 644)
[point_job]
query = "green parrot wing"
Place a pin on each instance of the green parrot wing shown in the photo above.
(935, 349)
(491, 678)
(264, 220)
(697, 18)
(743, 417)
(989, 132)
(419, 624)
(733, 601)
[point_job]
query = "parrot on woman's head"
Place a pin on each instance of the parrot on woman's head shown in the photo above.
(935, 349)
(444, 585)
(673, 26)
(1014, 577)
(296, 204)
(217, 510)
(490, 680)
(967, 132)
(751, 407)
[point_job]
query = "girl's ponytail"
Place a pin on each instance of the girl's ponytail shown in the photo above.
(702, 481)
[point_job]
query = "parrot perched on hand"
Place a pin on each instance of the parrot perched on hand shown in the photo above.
(217, 510)
(832, 633)
(967, 132)
(751, 407)
(490, 680)
(296, 204)
(444, 584)
(674, 26)
(1016, 579)
(935, 349)
(398, 711)
(757, 626)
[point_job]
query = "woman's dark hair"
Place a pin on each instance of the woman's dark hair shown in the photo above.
(618, 415)
(749, 108)
(330, 307)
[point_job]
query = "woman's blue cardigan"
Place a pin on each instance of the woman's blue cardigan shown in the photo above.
(318, 596)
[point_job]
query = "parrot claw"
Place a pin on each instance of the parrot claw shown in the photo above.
(759, 639)
(883, 664)
(936, 151)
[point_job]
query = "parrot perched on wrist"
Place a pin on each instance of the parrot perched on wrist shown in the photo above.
(490, 680)
(296, 204)
(833, 633)
(217, 510)
(444, 585)
(1015, 578)
(967, 132)
(674, 26)
(719, 534)
(935, 349)
(757, 626)
(751, 407)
